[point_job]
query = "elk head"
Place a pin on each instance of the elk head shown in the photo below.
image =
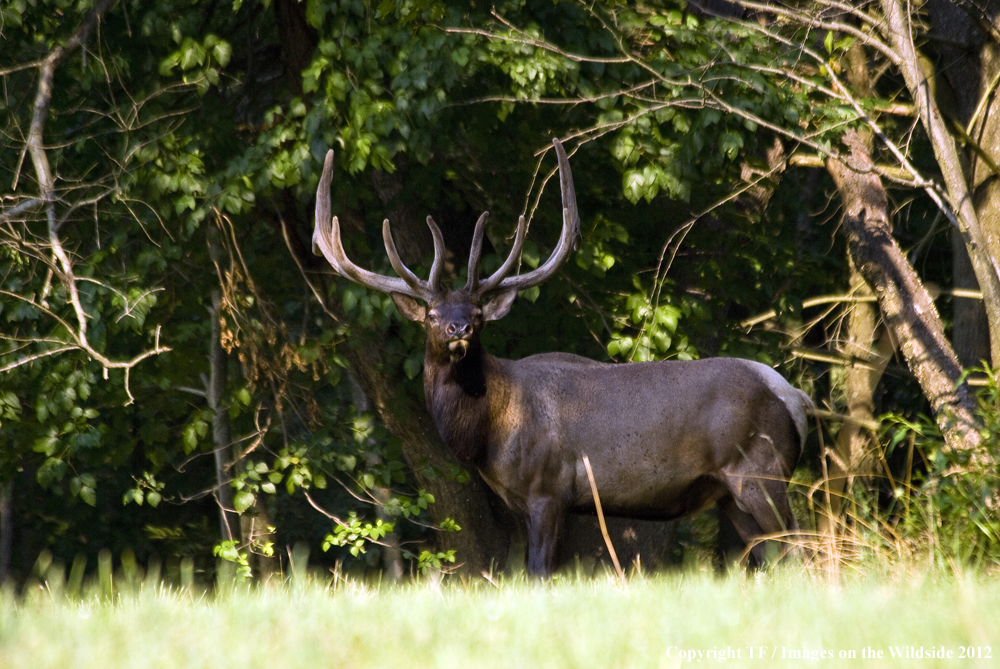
(452, 318)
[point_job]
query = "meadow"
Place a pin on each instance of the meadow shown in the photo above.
(785, 616)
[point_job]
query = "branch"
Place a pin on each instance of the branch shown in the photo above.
(851, 299)
(31, 358)
(43, 170)
(305, 276)
(891, 171)
(18, 209)
(814, 21)
(916, 179)
(985, 265)
(63, 265)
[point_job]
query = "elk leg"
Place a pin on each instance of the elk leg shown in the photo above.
(544, 519)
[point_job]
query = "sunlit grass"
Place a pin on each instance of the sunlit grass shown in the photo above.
(648, 622)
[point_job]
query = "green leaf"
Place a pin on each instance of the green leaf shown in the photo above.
(243, 396)
(242, 501)
(531, 294)
(192, 54)
(666, 316)
(169, 63)
(9, 399)
(315, 11)
(190, 437)
(730, 144)
(47, 445)
(222, 52)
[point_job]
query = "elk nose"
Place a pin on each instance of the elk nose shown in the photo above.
(458, 329)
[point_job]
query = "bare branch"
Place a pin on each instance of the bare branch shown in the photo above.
(895, 173)
(61, 264)
(22, 208)
(813, 20)
(31, 358)
(987, 270)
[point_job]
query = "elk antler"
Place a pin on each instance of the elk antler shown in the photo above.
(498, 281)
(326, 238)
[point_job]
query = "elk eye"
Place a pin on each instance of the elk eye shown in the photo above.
(432, 317)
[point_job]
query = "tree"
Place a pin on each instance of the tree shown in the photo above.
(61, 305)
(184, 143)
(787, 70)
(175, 178)
(819, 103)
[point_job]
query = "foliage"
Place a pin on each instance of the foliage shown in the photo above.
(354, 534)
(428, 561)
(949, 507)
(187, 140)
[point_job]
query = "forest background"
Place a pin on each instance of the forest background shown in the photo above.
(809, 184)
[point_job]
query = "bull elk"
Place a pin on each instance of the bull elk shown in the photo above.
(665, 438)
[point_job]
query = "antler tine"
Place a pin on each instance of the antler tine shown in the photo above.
(326, 237)
(425, 289)
(512, 257)
(434, 280)
(411, 279)
(476, 252)
(567, 239)
(321, 231)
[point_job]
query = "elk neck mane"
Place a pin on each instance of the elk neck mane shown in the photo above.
(462, 397)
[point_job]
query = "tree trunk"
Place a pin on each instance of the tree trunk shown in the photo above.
(298, 40)
(255, 532)
(6, 529)
(484, 540)
(970, 327)
(870, 348)
(967, 72)
(229, 524)
(869, 352)
(960, 195)
(906, 305)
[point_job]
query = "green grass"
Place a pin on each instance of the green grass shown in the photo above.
(569, 622)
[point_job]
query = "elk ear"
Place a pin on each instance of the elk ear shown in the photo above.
(498, 307)
(409, 307)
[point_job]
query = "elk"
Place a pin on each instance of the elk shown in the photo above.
(665, 438)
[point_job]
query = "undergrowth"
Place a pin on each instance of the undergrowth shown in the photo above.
(923, 503)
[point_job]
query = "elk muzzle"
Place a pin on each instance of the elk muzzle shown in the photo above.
(458, 339)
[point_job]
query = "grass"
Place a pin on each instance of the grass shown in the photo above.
(786, 615)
